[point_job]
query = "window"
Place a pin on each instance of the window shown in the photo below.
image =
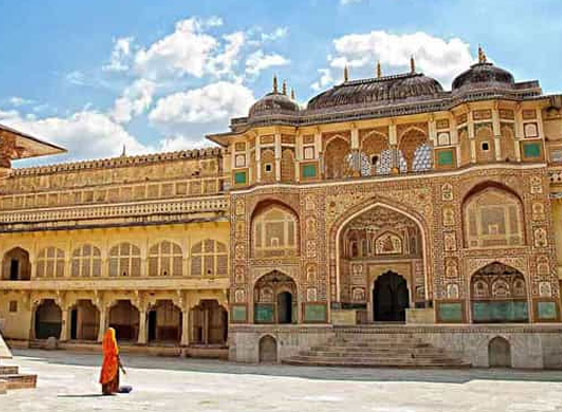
(275, 233)
(86, 261)
(374, 160)
(13, 306)
(165, 259)
(485, 146)
(124, 260)
(209, 258)
(268, 167)
(50, 263)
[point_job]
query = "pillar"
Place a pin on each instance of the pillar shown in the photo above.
(103, 322)
(185, 327)
(65, 325)
(142, 327)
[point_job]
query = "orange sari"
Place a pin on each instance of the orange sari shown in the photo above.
(109, 377)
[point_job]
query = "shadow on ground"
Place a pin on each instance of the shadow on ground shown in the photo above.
(458, 376)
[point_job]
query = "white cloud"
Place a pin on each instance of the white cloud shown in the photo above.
(186, 51)
(259, 61)
(276, 34)
(85, 134)
(224, 62)
(77, 78)
(325, 80)
(120, 56)
(136, 99)
(17, 101)
(180, 142)
(211, 103)
(435, 56)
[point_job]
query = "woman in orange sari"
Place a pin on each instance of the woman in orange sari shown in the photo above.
(109, 377)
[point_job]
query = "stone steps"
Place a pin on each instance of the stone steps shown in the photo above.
(12, 379)
(360, 349)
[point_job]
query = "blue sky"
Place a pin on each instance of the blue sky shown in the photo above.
(158, 75)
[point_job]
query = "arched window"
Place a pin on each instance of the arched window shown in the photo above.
(335, 159)
(372, 146)
(165, 259)
(493, 217)
(50, 263)
(124, 260)
(288, 166)
(86, 261)
(275, 233)
(16, 265)
(423, 158)
(267, 161)
(209, 258)
(410, 141)
(485, 151)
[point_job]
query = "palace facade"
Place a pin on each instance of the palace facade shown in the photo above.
(385, 201)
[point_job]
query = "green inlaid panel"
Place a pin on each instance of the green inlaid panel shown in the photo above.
(315, 312)
(445, 158)
(264, 313)
(531, 150)
(240, 178)
(546, 310)
(239, 314)
(500, 312)
(450, 312)
(309, 171)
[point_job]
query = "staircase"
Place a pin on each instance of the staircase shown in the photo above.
(10, 378)
(370, 348)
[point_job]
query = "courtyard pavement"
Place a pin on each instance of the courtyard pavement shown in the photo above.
(68, 383)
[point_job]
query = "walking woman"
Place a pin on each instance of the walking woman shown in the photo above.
(109, 377)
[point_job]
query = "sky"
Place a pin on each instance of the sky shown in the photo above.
(95, 76)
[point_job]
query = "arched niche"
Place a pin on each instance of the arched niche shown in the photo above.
(16, 265)
(48, 320)
(275, 299)
(268, 349)
(499, 353)
(275, 231)
(125, 319)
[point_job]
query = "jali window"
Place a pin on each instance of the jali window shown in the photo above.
(124, 260)
(86, 261)
(165, 259)
(275, 233)
(50, 263)
(209, 258)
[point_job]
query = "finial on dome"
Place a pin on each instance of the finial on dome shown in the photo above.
(345, 74)
(481, 55)
(124, 153)
(275, 90)
(293, 94)
(379, 70)
(284, 90)
(412, 65)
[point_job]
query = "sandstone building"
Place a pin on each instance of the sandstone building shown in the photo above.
(384, 201)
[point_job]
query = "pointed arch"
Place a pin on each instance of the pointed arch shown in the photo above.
(335, 158)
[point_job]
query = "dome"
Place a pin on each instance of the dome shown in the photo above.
(483, 75)
(273, 103)
(376, 91)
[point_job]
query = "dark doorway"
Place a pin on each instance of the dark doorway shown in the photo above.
(390, 298)
(285, 307)
(74, 324)
(48, 320)
(268, 349)
(14, 269)
(152, 315)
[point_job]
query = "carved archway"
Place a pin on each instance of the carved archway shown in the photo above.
(275, 299)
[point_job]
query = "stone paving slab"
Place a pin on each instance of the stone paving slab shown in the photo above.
(68, 382)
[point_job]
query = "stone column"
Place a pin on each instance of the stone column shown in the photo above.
(185, 326)
(142, 327)
(65, 325)
(103, 322)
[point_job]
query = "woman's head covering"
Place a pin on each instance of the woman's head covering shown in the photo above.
(110, 342)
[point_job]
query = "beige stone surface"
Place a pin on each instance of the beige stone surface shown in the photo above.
(68, 382)
(4, 350)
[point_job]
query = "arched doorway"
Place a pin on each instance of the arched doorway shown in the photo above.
(268, 349)
(498, 294)
(274, 299)
(376, 240)
(16, 265)
(124, 318)
(390, 298)
(164, 322)
(84, 321)
(499, 353)
(48, 320)
(210, 323)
